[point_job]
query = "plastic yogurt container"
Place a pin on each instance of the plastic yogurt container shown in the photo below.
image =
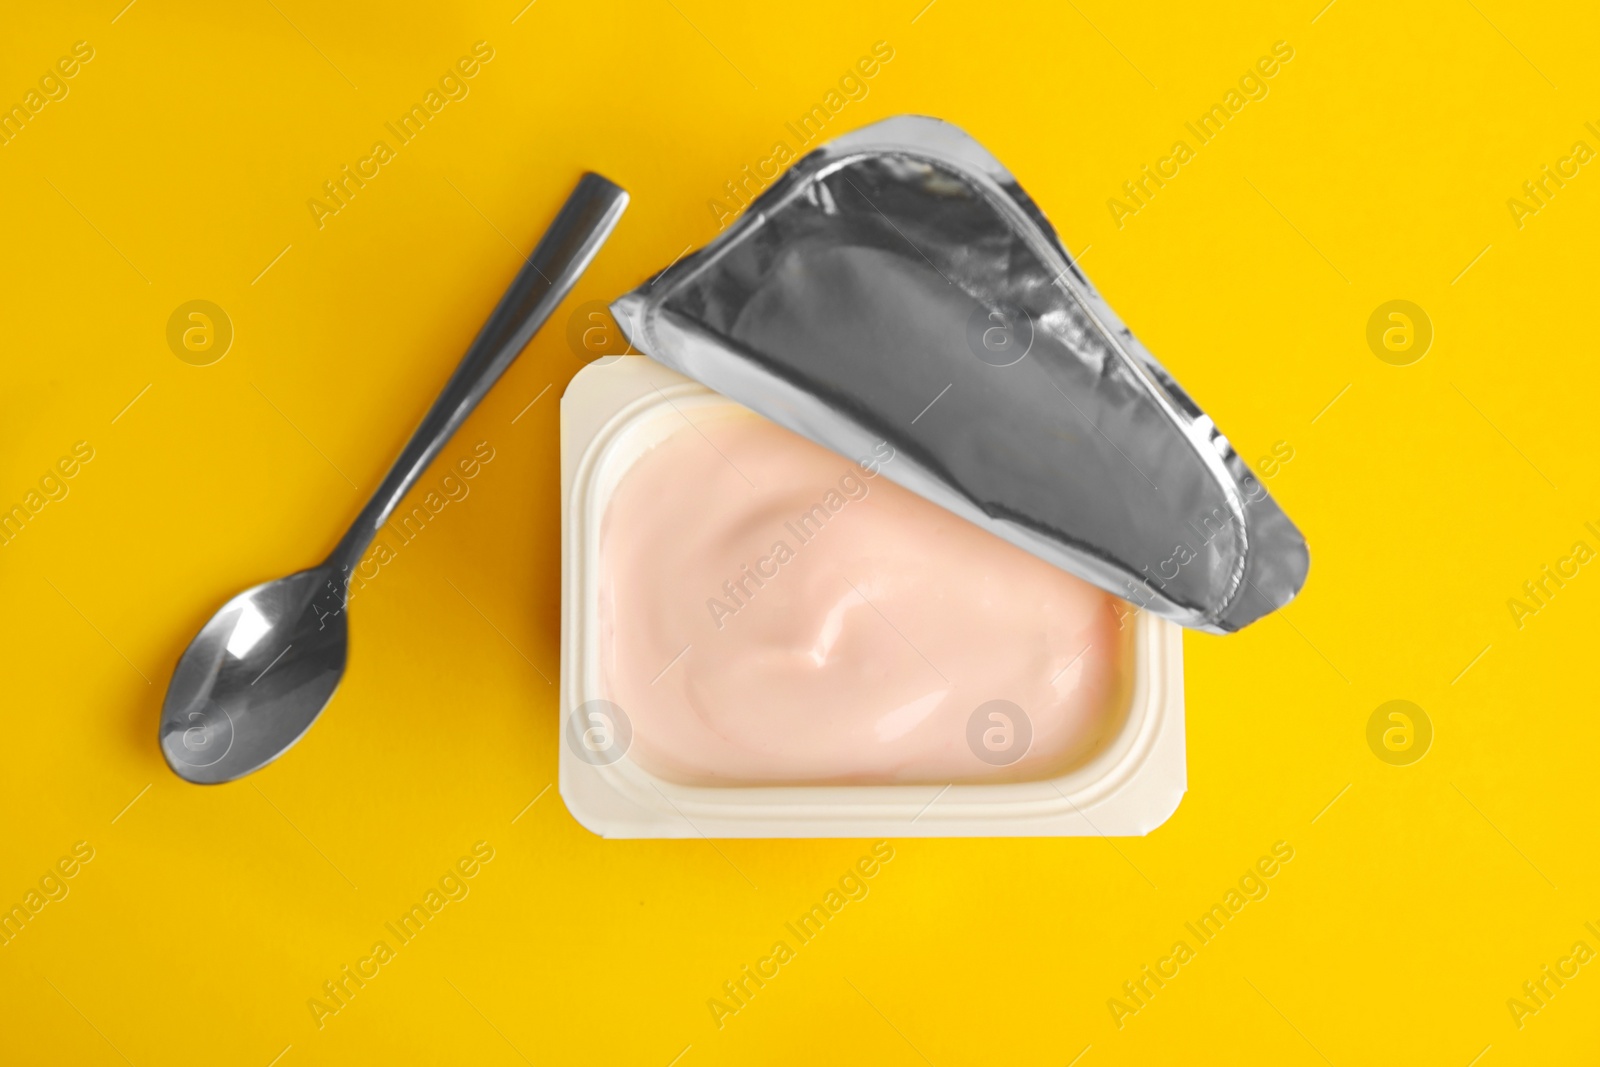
(677, 752)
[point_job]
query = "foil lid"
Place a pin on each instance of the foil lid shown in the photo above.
(897, 285)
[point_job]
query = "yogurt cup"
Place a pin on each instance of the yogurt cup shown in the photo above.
(615, 411)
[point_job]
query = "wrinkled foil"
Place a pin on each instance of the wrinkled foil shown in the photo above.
(898, 285)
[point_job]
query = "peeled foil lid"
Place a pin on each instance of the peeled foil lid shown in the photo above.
(897, 285)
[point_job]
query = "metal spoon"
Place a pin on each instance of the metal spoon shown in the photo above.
(259, 673)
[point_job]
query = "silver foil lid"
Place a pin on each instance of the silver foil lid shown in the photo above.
(898, 285)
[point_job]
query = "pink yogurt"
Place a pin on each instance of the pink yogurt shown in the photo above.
(773, 613)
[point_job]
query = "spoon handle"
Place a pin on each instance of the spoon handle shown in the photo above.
(564, 252)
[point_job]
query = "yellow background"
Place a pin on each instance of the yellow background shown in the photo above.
(1378, 168)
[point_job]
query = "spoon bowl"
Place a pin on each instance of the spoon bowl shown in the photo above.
(255, 678)
(259, 673)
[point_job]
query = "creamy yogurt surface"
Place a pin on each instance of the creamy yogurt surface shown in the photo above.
(773, 613)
